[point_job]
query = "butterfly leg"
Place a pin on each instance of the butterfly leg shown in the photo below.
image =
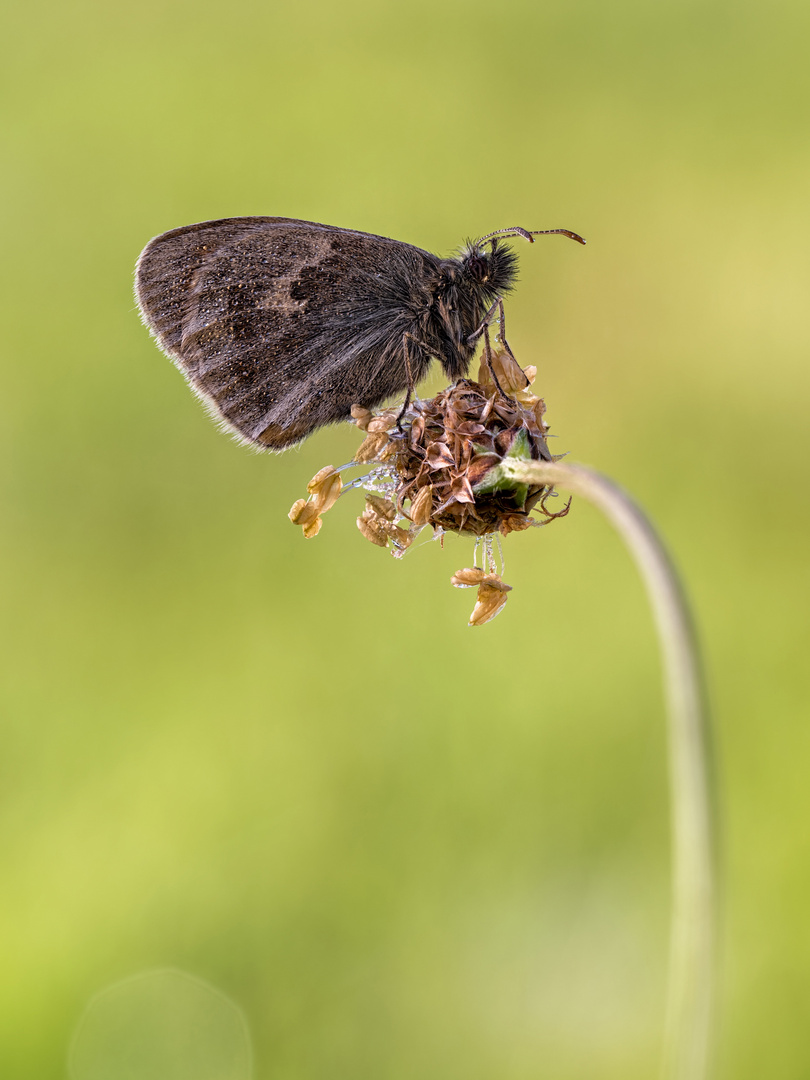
(484, 329)
(488, 359)
(409, 373)
(476, 334)
(502, 334)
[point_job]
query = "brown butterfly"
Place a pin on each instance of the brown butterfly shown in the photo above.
(280, 326)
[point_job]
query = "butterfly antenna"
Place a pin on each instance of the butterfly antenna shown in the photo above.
(527, 234)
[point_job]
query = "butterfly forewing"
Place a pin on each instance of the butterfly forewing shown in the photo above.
(281, 325)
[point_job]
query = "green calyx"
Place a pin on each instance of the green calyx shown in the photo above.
(502, 477)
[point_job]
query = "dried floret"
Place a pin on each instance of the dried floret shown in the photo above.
(469, 578)
(491, 601)
(324, 489)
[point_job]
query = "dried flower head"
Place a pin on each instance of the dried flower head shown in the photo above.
(324, 489)
(445, 462)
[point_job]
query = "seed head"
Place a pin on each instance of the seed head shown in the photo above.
(447, 462)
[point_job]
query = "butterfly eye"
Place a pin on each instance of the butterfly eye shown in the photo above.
(478, 267)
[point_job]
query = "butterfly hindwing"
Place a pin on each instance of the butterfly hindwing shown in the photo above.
(281, 325)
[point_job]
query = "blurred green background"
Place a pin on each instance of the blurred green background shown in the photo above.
(402, 847)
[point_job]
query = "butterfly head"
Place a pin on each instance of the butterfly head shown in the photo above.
(489, 268)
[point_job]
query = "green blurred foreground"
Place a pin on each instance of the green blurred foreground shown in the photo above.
(398, 847)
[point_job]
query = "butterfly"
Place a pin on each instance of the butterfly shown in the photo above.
(280, 326)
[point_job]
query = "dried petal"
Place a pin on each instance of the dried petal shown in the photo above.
(399, 536)
(493, 581)
(372, 531)
(327, 492)
(296, 509)
(484, 376)
(361, 416)
(487, 409)
(469, 428)
(319, 477)
(387, 451)
(526, 398)
(510, 374)
(506, 412)
(421, 506)
(467, 579)
(383, 508)
(370, 448)
(384, 421)
(507, 370)
(463, 450)
(489, 603)
(417, 430)
(313, 527)
(439, 456)
(462, 491)
(303, 512)
(325, 487)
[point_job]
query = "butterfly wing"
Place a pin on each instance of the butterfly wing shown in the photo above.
(281, 325)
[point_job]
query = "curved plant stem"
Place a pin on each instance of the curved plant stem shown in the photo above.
(692, 957)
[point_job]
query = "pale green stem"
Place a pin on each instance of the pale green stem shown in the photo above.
(690, 992)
